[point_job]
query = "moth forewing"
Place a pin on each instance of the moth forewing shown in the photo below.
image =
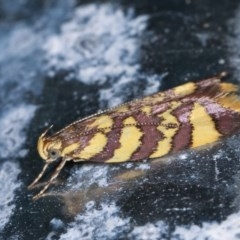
(187, 116)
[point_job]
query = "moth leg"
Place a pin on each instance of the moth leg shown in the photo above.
(53, 177)
(41, 184)
(39, 176)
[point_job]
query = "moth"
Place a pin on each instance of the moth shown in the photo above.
(187, 116)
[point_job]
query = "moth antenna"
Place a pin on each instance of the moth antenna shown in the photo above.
(46, 131)
(39, 176)
(53, 177)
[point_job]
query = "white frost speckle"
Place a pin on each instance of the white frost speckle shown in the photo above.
(183, 156)
(98, 42)
(228, 229)
(12, 126)
(102, 44)
(150, 231)
(20, 62)
(84, 177)
(153, 83)
(8, 181)
(103, 223)
(203, 38)
(19, 42)
(56, 223)
(142, 166)
(221, 61)
(234, 44)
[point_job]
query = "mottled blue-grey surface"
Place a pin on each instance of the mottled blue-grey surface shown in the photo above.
(62, 60)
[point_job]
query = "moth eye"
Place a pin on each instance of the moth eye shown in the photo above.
(53, 153)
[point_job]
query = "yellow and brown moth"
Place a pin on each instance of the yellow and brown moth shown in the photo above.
(186, 116)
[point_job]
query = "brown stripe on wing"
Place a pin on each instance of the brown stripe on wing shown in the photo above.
(83, 138)
(168, 127)
(150, 138)
(71, 136)
(183, 137)
(83, 141)
(207, 83)
(113, 143)
(226, 120)
(208, 88)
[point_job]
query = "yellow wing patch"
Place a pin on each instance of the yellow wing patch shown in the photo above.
(129, 141)
(130, 120)
(204, 130)
(147, 110)
(228, 87)
(185, 89)
(230, 102)
(121, 109)
(164, 146)
(103, 121)
(70, 148)
(153, 99)
(96, 145)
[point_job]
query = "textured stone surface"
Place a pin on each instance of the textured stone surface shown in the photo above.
(62, 60)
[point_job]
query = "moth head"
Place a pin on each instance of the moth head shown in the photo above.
(49, 148)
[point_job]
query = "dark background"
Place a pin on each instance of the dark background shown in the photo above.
(188, 40)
